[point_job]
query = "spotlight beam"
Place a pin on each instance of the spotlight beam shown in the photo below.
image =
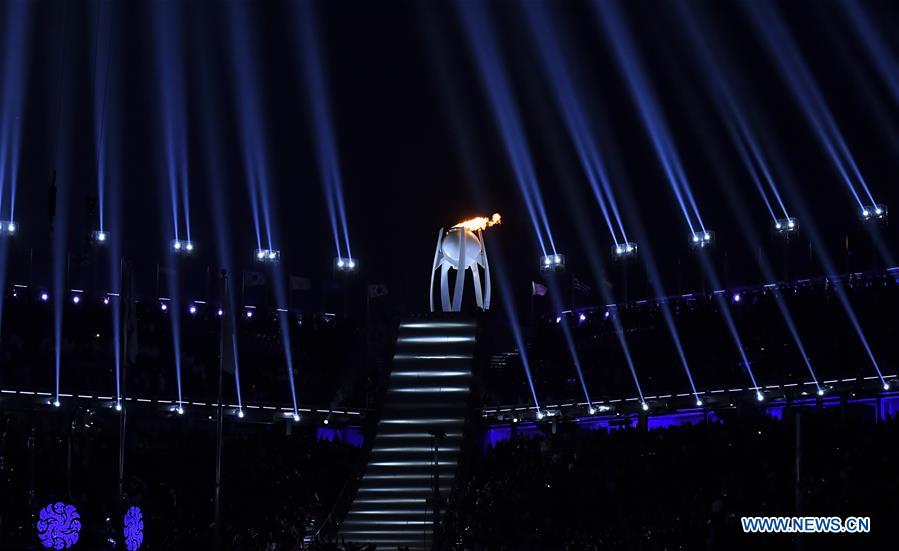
(479, 32)
(571, 107)
(621, 42)
(320, 110)
(829, 268)
(805, 91)
(252, 135)
(730, 109)
(220, 218)
(174, 113)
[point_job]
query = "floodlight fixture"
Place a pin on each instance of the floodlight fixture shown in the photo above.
(702, 239)
(552, 262)
(182, 246)
(100, 237)
(875, 213)
(346, 264)
(624, 250)
(8, 227)
(786, 226)
(268, 255)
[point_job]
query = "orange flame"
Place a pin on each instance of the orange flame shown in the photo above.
(480, 222)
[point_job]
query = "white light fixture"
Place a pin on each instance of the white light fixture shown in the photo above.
(268, 255)
(182, 246)
(345, 264)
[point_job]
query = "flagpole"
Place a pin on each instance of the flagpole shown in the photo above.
(219, 440)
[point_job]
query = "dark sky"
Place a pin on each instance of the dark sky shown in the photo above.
(416, 142)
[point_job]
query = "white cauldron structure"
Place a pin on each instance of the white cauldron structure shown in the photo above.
(460, 249)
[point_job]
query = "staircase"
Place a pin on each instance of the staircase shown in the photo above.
(428, 391)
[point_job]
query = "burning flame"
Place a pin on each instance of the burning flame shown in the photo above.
(480, 222)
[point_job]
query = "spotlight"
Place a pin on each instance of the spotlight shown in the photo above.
(759, 396)
(296, 417)
(182, 246)
(645, 406)
(820, 392)
(624, 250)
(118, 406)
(701, 239)
(193, 309)
(875, 213)
(220, 312)
(786, 226)
(582, 318)
(8, 228)
(345, 264)
(105, 300)
(240, 413)
(540, 414)
(515, 419)
(552, 263)
(44, 297)
(326, 421)
(268, 255)
(163, 307)
(56, 403)
(100, 237)
(179, 410)
(698, 402)
(591, 410)
(886, 386)
(558, 319)
(76, 299)
(737, 297)
(249, 313)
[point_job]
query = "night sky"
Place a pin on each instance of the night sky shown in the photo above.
(416, 141)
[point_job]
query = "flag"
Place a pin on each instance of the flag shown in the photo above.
(538, 289)
(298, 283)
(579, 286)
(378, 290)
(253, 279)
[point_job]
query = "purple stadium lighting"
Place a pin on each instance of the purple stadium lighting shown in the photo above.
(133, 529)
(58, 526)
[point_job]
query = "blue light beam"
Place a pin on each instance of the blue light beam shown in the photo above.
(477, 26)
(320, 109)
(619, 38)
(805, 91)
(571, 106)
